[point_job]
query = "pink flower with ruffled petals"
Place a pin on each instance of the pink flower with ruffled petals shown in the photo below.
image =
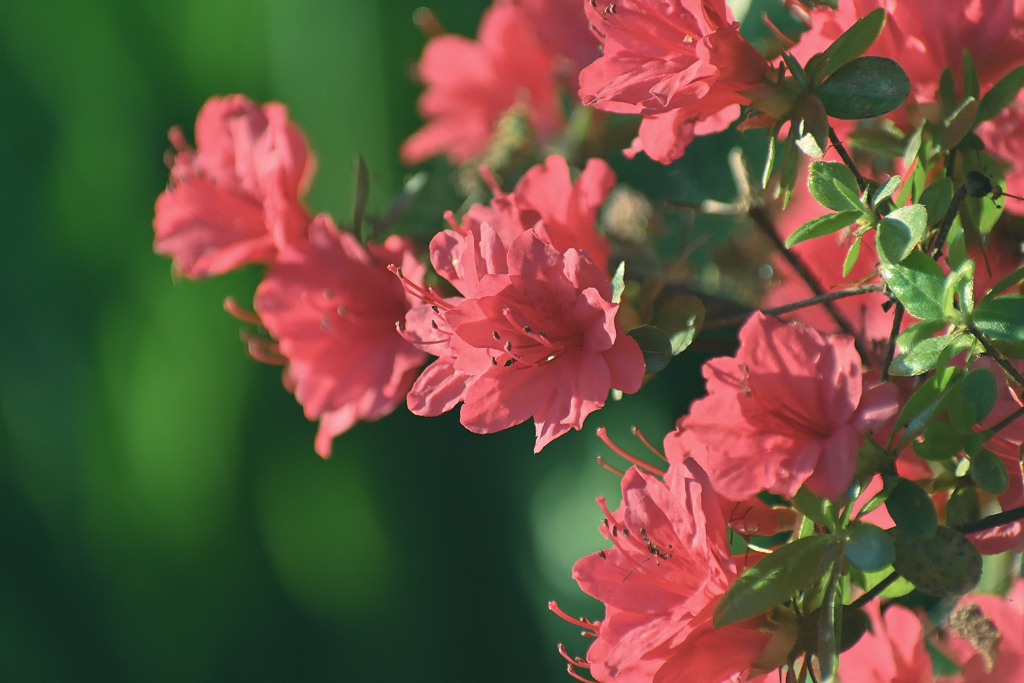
(535, 336)
(892, 651)
(669, 564)
(471, 83)
(563, 28)
(332, 305)
(682, 64)
(236, 198)
(546, 198)
(790, 409)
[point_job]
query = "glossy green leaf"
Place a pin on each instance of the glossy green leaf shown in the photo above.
(920, 358)
(947, 91)
(917, 282)
(945, 565)
(912, 510)
(989, 472)
(896, 589)
(868, 547)
(1001, 318)
(681, 318)
(923, 403)
(918, 332)
(655, 345)
(619, 282)
(980, 389)
(775, 579)
(936, 198)
(900, 231)
(822, 225)
(1001, 95)
(824, 181)
(798, 71)
(1014, 278)
(878, 141)
(854, 625)
(851, 256)
(913, 146)
(885, 191)
(959, 123)
(812, 122)
(788, 167)
(864, 88)
(851, 44)
(941, 442)
(816, 508)
(971, 87)
(769, 164)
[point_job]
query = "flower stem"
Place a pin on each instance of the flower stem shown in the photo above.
(996, 356)
(890, 347)
(847, 159)
(875, 590)
(992, 521)
(796, 305)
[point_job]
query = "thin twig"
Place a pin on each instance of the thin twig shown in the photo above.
(992, 521)
(890, 348)
(996, 356)
(875, 590)
(847, 159)
(767, 228)
(796, 305)
(1006, 422)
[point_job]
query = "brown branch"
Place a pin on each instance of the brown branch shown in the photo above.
(996, 356)
(847, 159)
(992, 521)
(796, 305)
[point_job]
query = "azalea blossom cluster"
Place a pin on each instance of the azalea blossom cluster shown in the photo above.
(822, 513)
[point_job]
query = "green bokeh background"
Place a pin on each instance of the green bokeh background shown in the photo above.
(163, 516)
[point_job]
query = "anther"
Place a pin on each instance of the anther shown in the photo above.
(433, 324)
(527, 330)
(508, 346)
(495, 334)
(494, 361)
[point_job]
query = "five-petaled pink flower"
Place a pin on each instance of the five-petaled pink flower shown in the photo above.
(471, 83)
(332, 305)
(236, 198)
(681, 63)
(788, 410)
(669, 564)
(535, 336)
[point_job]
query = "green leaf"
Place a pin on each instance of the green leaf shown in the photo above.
(971, 87)
(619, 282)
(958, 255)
(868, 547)
(917, 282)
(913, 146)
(775, 579)
(851, 256)
(885, 191)
(912, 510)
(900, 231)
(681, 317)
(789, 167)
(864, 88)
(959, 123)
(947, 564)
(822, 225)
(797, 70)
(919, 359)
(851, 44)
(918, 332)
(1001, 318)
(947, 90)
(825, 179)
(854, 625)
(1010, 280)
(896, 589)
(808, 115)
(924, 402)
(769, 164)
(817, 509)
(960, 282)
(936, 198)
(878, 141)
(989, 472)
(962, 507)
(941, 441)
(655, 345)
(1000, 95)
(980, 389)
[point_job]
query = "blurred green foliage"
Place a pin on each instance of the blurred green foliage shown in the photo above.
(162, 514)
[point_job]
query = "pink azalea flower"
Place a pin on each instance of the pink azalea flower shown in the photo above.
(1004, 138)
(535, 336)
(471, 83)
(1006, 663)
(682, 64)
(892, 651)
(563, 28)
(563, 212)
(236, 198)
(332, 305)
(669, 564)
(790, 409)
